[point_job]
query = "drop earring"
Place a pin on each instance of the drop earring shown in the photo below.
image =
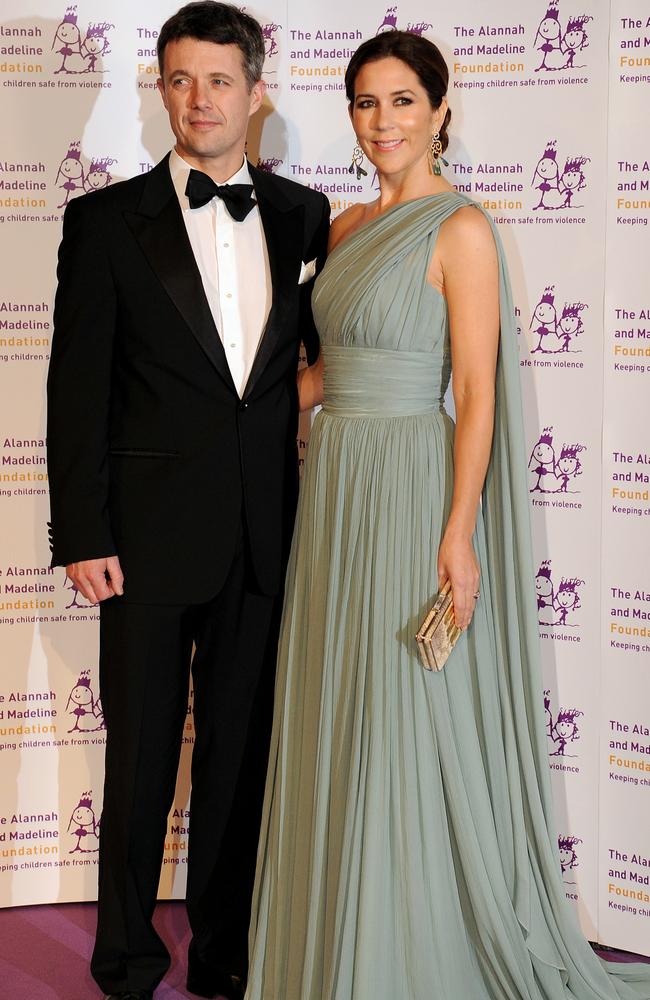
(435, 154)
(357, 162)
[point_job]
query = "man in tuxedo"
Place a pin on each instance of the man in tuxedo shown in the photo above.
(183, 297)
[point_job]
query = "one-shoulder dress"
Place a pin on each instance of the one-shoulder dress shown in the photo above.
(408, 850)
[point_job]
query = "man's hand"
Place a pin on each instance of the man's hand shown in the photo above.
(97, 579)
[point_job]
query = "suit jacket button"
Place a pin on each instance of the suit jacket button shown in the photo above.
(243, 406)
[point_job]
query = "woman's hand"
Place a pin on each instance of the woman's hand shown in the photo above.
(457, 563)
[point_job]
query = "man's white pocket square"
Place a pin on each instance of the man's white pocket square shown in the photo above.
(307, 271)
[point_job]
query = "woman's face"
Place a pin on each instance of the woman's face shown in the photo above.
(392, 116)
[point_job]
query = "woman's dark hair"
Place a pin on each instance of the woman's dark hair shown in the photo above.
(221, 23)
(421, 55)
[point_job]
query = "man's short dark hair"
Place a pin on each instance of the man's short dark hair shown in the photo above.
(221, 23)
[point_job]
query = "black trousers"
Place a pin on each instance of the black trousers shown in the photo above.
(145, 656)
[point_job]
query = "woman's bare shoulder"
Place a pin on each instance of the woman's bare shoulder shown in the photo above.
(468, 224)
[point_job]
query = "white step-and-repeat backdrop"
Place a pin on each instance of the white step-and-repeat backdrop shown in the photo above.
(550, 132)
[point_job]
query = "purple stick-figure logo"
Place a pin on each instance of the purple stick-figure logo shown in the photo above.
(98, 175)
(575, 40)
(559, 48)
(70, 173)
(548, 38)
(80, 55)
(555, 336)
(72, 177)
(269, 164)
(557, 190)
(95, 44)
(568, 857)
(390, 21)
(390, 24)
(269, 32)
(552, 474)
(563, 730)
(556, 606)
(84, 826)
(68, 36)
(84, 707)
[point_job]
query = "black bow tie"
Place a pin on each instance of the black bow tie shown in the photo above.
(201, 189)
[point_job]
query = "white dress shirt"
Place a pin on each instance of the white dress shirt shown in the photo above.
(234, 265)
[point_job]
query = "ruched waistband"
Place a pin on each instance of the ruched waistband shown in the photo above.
(367, 382)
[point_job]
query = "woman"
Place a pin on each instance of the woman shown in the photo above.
(406, 849)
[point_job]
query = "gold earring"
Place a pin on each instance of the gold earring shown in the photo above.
(357, 162)
(435, 153)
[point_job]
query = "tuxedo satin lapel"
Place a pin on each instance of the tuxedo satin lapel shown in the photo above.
(283, 228)
(159, 229)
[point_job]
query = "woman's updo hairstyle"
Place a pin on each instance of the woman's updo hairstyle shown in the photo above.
(418, 53)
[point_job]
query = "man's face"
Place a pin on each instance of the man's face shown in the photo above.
(206, 95)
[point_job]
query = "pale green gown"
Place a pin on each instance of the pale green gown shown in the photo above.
(408, 850)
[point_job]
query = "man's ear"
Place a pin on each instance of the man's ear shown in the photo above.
(258, 90)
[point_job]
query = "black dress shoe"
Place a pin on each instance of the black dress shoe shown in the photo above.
(130, 995)
(212, 983)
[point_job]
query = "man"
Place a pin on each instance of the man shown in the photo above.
(172, 455)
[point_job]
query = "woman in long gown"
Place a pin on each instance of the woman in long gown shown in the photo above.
(408, 850)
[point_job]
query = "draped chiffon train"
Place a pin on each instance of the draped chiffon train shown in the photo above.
(408, 850)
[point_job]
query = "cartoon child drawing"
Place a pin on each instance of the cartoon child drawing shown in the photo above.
(575, 39)
(570, 324)
(95, 44)
(270, 44)
(545, 315)
(568, 857)
(545, 594)
(98, 175)
(548, 176)
(390, 21)
(569, 465)
(69, 37)
(549, 33)
(567, 599)
(86, 827)
(543, 461)
(71, 172)
(565, 731)
(86, 710)
(572, 179)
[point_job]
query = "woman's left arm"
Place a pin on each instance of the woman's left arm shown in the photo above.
(467, 257)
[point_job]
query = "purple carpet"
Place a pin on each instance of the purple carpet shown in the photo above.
(45, 950)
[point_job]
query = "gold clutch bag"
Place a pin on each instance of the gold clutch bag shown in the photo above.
(438, 633)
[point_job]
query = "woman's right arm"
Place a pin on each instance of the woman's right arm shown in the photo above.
(310, 385)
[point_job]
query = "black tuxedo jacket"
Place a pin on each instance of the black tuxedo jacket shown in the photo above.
(152, 455)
